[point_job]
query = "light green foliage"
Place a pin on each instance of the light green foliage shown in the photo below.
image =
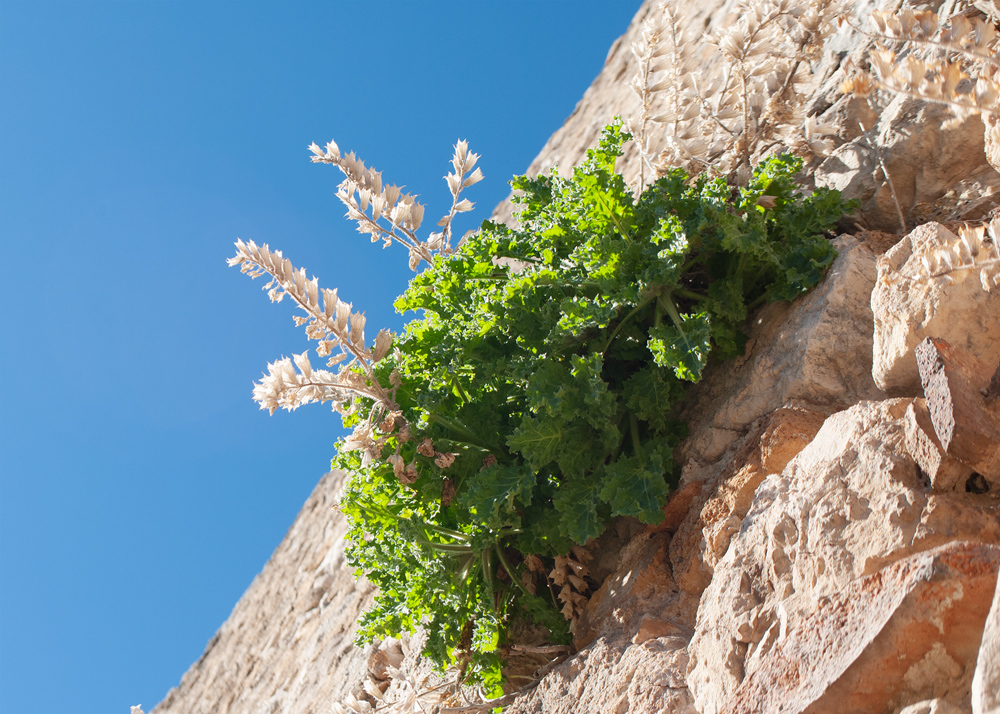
(547, 360)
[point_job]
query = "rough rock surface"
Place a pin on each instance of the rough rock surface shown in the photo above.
(805, 509)
(722, 502)
(632, 640)
(811, 353)
(908, 634)
(908, 307)
(986, 682)
(905, 130)
(288, 644)
(848, 504)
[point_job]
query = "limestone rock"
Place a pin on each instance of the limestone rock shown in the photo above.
(851, 502)
(704, 536)
(932, 706)
(966, 423)
(907, 308)
(641, 588)
(922, 444)
(612, 675)
(986, 682)
(811, 353)
(925, 163)
(906, 635)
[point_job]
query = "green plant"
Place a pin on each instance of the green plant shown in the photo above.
(529, 401)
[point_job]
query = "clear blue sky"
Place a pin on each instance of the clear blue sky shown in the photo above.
(140, 488)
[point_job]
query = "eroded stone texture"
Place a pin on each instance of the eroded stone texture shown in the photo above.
(811, 353)
(851, 502)
(956, 386)
(704, 536)
(908, 307)
(908, 634)
(945, 472)
(925, 162)
(613, 675)
(986, 682)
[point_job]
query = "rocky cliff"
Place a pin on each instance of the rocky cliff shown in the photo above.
(834, 543)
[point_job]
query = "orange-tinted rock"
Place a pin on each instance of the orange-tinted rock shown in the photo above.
(908, 633)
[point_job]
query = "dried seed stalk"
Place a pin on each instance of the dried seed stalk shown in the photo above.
(749, 105)
(953, 62)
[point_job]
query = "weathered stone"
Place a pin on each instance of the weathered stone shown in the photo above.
(945, 472)
(613, 676)
(640, 588)
(851, 502)
(811, 353)
(908, 307)
(704, 536)
(904, 635)
(956, 384)
(986, 682)
(933, 706)
(925, 162)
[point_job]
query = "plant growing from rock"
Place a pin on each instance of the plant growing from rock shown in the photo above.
(528, 403)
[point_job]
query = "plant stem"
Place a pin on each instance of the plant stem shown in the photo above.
(626, 319)
(510, 573)
(468, 437)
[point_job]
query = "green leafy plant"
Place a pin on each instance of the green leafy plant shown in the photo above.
(529, 401)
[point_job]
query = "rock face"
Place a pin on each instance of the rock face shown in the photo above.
(907, 635)
(986, 681)
(813, 352)
(834, 541)
(851, 502)
(908, 307)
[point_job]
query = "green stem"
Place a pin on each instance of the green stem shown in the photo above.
(446, 548)
(458, 387)
(634, 428)
(625, 319)
(510, 573)
(671, 309)
(466, 570)
(689, 294)
(486, 572)
(468, 437)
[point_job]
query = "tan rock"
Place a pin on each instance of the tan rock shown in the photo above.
(956, 385)
(945, 472)
(907, 308)
(906, 635)
(986, 682)
(811, 353)
(851, 502)
(704, 536)
(932, 706)
(925, 163)
(614, 676)
(639, 595)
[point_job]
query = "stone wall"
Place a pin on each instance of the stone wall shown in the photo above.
(834, 543)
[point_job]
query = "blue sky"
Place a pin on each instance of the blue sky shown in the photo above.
(140, 488)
